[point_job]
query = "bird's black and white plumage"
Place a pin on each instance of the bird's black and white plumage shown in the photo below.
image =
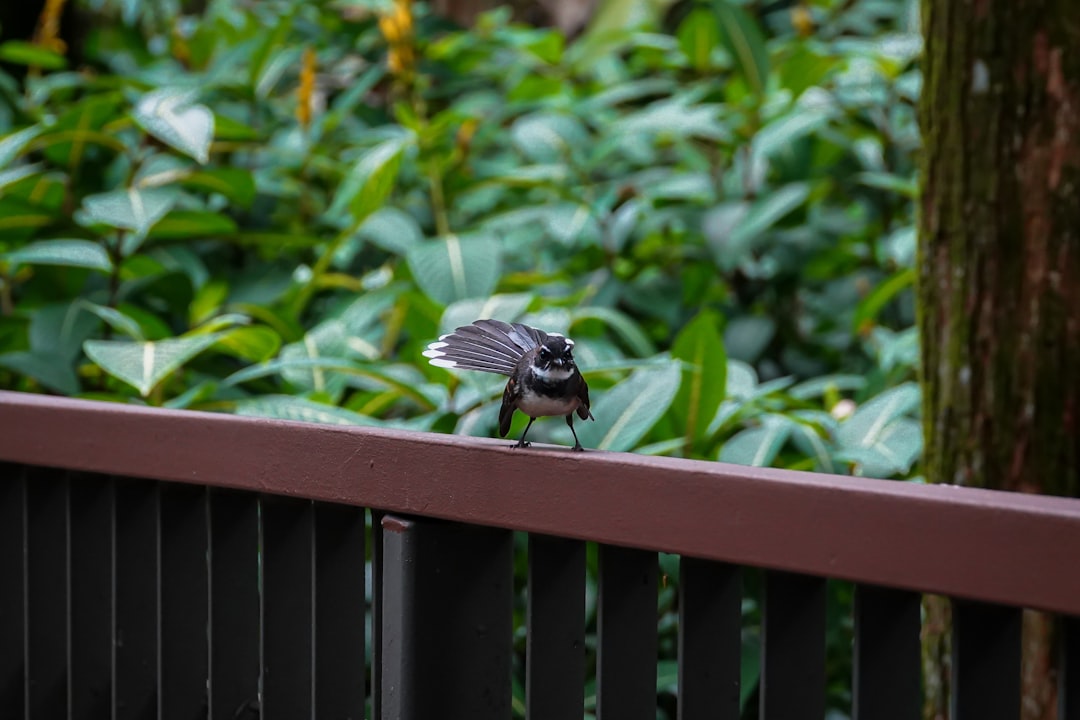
(544, 380)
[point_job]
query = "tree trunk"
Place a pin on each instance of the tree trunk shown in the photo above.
(999, 276)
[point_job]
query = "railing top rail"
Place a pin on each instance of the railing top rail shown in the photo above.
(1001, 547)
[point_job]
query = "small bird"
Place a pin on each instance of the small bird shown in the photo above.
(544, 380)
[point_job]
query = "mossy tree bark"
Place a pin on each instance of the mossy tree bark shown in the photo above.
(999, 276)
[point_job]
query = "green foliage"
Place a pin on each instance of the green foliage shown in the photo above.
(270, 210)
(227, 227)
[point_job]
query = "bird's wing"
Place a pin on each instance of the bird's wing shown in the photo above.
(511, 395)
(583, 410)
(486, 345)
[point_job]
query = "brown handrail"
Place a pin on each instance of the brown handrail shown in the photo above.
(993, 546)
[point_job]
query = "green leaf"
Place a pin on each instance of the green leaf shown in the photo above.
(48, 369)
(284, 407)
(757, 446)
(144, 365)
(189, 224)
(131, 209)
(66, 253)
(19, 52)
(256, 343)
(367, 186)
(456, 268)
(507, 308)
(175, 119)
(626, 412)
(116, 320)
(12, 145)
(744, 40)
(699, 35)
(629, 331)
(867, 425)
(236, 184)
(882, 295)
(703, 386)
(747, 337)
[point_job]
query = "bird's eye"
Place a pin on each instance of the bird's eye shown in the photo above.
(544, 353)
(568, 353)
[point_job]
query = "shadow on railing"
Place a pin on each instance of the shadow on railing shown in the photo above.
(171, 564)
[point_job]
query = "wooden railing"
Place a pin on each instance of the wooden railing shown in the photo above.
(168, 564)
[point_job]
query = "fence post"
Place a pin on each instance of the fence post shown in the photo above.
(447, 614)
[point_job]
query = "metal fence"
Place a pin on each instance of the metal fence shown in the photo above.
(169, 564)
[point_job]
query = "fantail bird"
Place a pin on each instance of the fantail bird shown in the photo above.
(544, 380)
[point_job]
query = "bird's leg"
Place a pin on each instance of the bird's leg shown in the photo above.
(577, 443)
(521, 443)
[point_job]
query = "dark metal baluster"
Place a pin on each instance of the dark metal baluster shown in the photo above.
(985, 661)
(376, 613)
(90, 521)
(46, 593)
(626, 656)
(288, 572)
(339, 612)
(555, 659)
(184, 602)
(234, 605)
(447, 620)
(887, 659)
(710, 639)
(12, 587)
(135, 551)
(1069, 676)
(793, 647)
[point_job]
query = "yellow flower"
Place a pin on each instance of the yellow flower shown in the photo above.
(306, 91)
(396, 25)
(801, 20)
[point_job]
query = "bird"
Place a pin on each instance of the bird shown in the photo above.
(544, 379)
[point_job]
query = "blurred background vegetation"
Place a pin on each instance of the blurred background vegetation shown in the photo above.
(270, 208)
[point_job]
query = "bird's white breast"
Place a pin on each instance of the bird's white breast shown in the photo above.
(536, 405)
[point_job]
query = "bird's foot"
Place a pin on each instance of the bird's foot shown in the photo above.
(577, 448)
(521, 444)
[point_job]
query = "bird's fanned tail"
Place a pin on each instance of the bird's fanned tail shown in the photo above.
(487, 345)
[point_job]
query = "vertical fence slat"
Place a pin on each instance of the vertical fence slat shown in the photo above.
(288, 572)
(184, 602)
(46, 593)
(710, 639)
(555, 653)
(234, 605)
(90, 521)
(627, 642)
(447, 620)
(339, 612)
(376, 613)
(985, 661)
(1069, 682)
(887, 654)
(793, 647)
(135, 582)
(12, 579)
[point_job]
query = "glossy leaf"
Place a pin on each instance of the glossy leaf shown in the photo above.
(284, 407)
(365, 189)
(174, 118)
(758, 446)
(743, 38)
(704, 380)
(131, 209)
(629, 410)
(145, 364)
(456, 268)
(67, 253)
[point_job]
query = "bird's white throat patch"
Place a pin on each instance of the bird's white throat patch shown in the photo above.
(552, 374)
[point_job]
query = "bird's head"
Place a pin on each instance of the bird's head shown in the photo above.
(554, 360)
